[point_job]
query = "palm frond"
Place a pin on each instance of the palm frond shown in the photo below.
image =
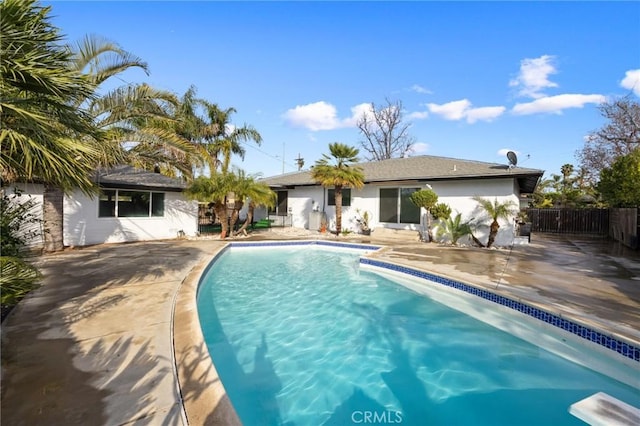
(17, 278)
(101, 58)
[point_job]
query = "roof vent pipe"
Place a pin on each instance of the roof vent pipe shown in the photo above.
(455, 168)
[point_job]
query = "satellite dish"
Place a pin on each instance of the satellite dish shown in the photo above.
(513, 159)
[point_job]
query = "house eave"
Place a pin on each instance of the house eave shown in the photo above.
(526, 181)
(134, 187)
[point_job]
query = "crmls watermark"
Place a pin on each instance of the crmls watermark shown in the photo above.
(376, 417)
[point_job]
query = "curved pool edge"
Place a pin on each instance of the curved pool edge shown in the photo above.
(616, 343)
(204, 399)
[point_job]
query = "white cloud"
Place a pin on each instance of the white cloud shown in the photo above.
(534, 76)
(418, 115)
(631, 81)
(462, 109)
(484, 113)
(315, 116)
(322, 115)
(419, 148)
(419, 89)
(452, 110)
(356, 114)
(555, 104)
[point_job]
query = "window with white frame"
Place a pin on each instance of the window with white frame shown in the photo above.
(396, 206)
(126, 203)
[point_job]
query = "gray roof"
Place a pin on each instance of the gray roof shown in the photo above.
(423, 168)
(132, 178)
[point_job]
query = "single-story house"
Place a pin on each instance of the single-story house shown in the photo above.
(388, 186)
(132, 205)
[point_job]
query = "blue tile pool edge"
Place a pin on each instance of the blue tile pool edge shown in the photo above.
(230, 245)
(623, 348)
(354, 246)
(608, 342)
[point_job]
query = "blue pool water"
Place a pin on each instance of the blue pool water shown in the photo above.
(301, 336)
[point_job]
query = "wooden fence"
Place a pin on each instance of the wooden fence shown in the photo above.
(570, 221)
(625, 226)
(620, 224)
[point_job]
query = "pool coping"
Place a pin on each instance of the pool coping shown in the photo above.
(205, 400)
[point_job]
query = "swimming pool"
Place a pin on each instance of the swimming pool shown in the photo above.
(302, 335)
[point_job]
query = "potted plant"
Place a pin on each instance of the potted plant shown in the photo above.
(523, 225)
(363, 221)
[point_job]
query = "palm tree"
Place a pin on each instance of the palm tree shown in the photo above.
(257, 193)
(97, 60)
(454, 228)
(338, 171)
(496, 211)
(133, 124)
(228, 138)
(192, 126)
(38, 120)
(139, 128)
(213, 189)
(44, 135)
(209, 128)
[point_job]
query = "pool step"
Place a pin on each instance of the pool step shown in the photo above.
(602, 409)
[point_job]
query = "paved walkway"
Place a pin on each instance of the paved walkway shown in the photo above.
(94, 345)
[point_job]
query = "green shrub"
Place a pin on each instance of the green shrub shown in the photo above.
(441, 211)
(454, 228)
(17, 218)
(17, 226)
(17, 278)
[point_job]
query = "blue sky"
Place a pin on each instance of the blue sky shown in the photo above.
(476, 79)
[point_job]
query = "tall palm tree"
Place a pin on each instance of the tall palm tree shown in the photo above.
(338, 171)
(213, 189)
(566, 193)
(228, 138)
(192, 124)
(496, 211)
(133, 121)
(97, 60)
(209, 128)
(138, 124)
(246, 188)
(41, 133)
(44, 135)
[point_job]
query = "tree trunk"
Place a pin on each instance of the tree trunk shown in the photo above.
(476, 241)
(237, 206)
(338, 197)
(221, 213)
(492, 233)
(52, 214)
(247, 222)
(429, 232)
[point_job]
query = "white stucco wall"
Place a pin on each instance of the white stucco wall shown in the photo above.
(30, 191)
(457, 194)
(82, 226)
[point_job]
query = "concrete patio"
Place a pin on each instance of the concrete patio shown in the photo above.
(95, 344)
